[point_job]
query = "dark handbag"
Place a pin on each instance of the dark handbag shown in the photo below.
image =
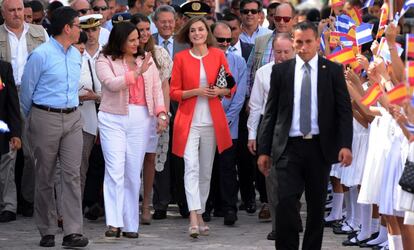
(407, 178)
(224, 80)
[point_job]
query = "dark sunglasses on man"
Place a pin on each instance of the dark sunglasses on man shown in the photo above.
(246, 11)
(97, 8)
(222, 39)
(285, 19)
(83, 11)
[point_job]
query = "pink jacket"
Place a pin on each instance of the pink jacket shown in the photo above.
(115, 79)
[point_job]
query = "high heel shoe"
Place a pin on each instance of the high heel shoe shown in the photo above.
(146, 219)
(113, 232)
(204, 230)
(193, 231)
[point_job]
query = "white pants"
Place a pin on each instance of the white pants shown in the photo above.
(198, 158)
(123, 139)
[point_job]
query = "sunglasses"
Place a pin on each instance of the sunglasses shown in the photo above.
(222, 39)
(99, 8)
(83, 11)
(246, 11)
(285, 19)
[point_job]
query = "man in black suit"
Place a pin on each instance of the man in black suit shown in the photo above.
(237, 46)
(9, 142)
(307, 126)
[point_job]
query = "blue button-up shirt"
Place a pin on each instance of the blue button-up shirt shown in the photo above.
(260, 31)
(51, 77)
(233, 106)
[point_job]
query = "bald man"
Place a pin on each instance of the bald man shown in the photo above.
(17, 40)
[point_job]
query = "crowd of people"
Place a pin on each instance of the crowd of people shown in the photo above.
(205, 109)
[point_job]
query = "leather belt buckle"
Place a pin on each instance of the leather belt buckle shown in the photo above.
(307, 137)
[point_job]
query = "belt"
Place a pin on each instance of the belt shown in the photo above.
(55, 110)
(304, 137)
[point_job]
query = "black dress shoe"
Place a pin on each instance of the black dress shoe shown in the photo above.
(338, 230)
(356, 243)
(251, 208)
(111, 233)
(331, 223)
(132, 235)
(230, 218)
(75, 240)
(366, 245)
(47, 241)
(218, 213)
(206, 216)
(242, 206)
(7, 216)
(159, 215)
(271, 235)
(183, 209)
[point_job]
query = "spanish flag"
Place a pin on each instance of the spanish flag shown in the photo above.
(398, 94)
(345, 56)
(409, 43)
(355, 14)
(336, 3)
(385, 11)
(410, 73)
(372, 95)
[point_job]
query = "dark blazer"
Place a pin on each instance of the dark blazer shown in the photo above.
(177, 47)
(334, 110)
(246, 49)
(9, 106)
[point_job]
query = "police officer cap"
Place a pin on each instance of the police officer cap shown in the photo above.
(121, 17)
(195, 8)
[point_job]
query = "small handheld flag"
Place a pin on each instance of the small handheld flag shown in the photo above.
(372, 95)
(355, 14)
(409, 46)
(398, 94)
(344, 56)
(364, 33)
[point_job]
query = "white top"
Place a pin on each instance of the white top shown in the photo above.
(236, 49)
(19, 53)
(202, 115)
(299, 71)
(88, 108)
(258, 98)
(103, 36)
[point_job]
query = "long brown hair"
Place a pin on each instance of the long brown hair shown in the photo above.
(150, 45)
(183, 34)
(117, 39)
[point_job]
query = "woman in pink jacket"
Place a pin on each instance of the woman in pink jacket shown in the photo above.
(131, 96)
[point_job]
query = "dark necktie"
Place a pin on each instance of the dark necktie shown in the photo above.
(305, 101)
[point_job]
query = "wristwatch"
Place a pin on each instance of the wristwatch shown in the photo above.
(162, 117)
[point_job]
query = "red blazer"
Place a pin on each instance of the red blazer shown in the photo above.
(186, 76)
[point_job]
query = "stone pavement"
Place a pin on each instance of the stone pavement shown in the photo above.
(247, 234)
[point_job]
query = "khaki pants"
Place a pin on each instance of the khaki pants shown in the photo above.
(52, 135)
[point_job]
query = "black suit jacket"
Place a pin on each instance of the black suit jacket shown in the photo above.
(246, 49)
(9, 106)
(334, 110)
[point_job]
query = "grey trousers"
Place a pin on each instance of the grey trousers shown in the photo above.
(52, 135)
(8, 195)
(88, 141)
(271, 195)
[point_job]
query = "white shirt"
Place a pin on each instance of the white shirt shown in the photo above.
(103, 36)
(18, 51)
(202, 115)
(88, 108)
(299, 71)
(236, 49)
(258, 98)
(169, 45)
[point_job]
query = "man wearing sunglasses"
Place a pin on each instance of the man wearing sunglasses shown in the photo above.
(100, 7)
(224, 179)
(251, 29)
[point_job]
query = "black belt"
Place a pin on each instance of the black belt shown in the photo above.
(55, 110)
(304, 137)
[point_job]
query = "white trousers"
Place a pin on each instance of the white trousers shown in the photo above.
(198, 159)
(123, 140)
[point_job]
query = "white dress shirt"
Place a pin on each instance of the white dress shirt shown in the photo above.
(299, 71)
(18, 51)
(258, 98)
(103, 36)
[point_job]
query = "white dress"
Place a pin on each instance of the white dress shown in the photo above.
(352, 175)
(378, 149)
(393, 168)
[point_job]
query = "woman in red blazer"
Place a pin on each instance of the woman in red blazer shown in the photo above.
(200, 123)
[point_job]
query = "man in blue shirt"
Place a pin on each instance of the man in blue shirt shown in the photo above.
(224, 180)
(49, 97)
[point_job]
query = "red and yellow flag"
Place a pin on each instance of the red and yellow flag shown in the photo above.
(385, 11)
(355, 14)
(409, 46)
(345, 56)
(336, 3)
(410, 73)
(372, 95)
(398, 94)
